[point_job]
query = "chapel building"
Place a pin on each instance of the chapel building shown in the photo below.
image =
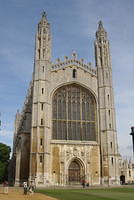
(66, 132)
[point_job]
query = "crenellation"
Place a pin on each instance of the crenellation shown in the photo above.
(69, 62)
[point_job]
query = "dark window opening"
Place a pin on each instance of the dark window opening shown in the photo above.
(41, 141)
(129, 173)
(39, 53)
(42, 122)
(43, 53)
(101, 60)
(108, 98)
(109, 113)
(74, 73)
(42, 90)
(41, 159)
(42, 105)
(112, 160)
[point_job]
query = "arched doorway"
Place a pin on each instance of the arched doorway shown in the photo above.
(75, 172)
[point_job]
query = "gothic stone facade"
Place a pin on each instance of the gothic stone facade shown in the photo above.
(66, 132)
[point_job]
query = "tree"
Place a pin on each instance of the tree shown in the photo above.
(4, 161)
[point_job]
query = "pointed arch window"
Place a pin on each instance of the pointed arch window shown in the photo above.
(74, 114)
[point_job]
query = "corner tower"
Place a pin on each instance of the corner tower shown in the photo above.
(107, 122)
(39, 153)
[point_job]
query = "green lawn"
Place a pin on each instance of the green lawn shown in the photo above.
(91, 194)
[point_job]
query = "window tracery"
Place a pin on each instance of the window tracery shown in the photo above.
(74, 114)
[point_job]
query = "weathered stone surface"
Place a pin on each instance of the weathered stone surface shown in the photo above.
(52, 160)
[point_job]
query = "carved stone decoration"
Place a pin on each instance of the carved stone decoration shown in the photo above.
(82, 154)
(68, 154)
(75, 152)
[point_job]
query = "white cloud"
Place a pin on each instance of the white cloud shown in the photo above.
(7, 134)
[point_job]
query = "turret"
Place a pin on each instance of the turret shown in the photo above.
(102, 47)
(107, 122)
(43, 40)
(40, 104)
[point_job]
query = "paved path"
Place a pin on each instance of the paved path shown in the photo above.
(17, 194)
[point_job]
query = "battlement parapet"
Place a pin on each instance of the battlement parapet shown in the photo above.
(70, 62)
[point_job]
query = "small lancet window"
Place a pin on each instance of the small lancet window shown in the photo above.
(42, 122)
(109, 113)
(109, 125)
(101, 61)
(108, 98)
(42, 68)
(39, 53)
(41, 159)
(74, 73)
(41, 141)
(129, 173)
(42, 90)
(43, 53)
(42, 105)
(111, 144)
(112, 160)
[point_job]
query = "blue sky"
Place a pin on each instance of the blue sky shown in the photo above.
(73, 27)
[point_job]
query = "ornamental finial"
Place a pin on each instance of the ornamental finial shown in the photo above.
(100, 24)
(44, 14)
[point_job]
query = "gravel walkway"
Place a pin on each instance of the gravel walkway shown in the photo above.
(17, 194)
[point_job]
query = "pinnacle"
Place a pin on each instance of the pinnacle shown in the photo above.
(101, 31)
(44, 14)
(100, 27)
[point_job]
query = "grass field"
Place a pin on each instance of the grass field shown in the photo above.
(91, 194)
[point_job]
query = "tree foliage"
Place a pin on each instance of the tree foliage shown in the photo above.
(4, 161)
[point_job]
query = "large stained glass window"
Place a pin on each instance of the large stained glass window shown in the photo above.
(74, 114)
